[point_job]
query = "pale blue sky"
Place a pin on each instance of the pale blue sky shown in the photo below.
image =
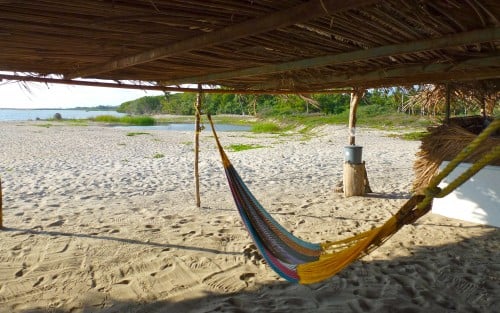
(13, 95)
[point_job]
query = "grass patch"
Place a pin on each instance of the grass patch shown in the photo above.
(138, 120)
(158, 156)
(266, 127)
(129, 120)
(418, 135)
(71, 121)
(243, 147)
(243, 120)
(105, 119)
(367, 116)
(76, 122)
(46, 125)
(373, 116)
(131, 134)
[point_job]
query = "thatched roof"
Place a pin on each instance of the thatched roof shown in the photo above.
(444, 142)
(286, 45)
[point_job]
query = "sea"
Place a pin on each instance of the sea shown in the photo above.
(43, 114)
(34, 114)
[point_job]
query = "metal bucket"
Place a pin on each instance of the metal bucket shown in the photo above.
(353, 154)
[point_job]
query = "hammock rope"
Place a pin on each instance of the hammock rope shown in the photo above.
(302, 262)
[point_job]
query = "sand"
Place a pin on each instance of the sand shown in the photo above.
(98, 221)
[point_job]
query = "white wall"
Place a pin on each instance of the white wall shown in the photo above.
(477, 200)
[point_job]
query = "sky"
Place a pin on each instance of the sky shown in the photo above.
(14, 95)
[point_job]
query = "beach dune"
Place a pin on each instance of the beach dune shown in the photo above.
(97, 220)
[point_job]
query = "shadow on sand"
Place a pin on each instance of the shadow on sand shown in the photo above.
(460, 277)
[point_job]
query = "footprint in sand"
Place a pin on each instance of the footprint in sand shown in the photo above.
(21, 272)
(251, 253)
(38, 282)
(151, 228)
(56, 223)
(247, 277)
(17, 247)
(188, 234)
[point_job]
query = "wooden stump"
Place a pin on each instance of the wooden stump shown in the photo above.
(355, 179)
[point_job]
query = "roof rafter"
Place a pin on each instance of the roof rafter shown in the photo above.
(465, 38)
(470, 69)
(300, 13)
(50, 80)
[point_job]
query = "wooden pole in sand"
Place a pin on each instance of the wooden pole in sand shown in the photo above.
(355, 179)
(448, 103)
(356, 96)
(197, 129)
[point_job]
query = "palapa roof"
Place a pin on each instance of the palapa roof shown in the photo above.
(256, 45)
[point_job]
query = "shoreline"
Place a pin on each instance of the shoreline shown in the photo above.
(95, 223)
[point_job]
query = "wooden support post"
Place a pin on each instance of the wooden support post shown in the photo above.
(197, 130)
(356, 96)
(355, 179)
(448, 104)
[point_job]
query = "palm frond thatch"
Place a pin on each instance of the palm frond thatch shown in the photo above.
(444, 142)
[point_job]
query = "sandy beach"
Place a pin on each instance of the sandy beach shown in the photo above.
(98, 221)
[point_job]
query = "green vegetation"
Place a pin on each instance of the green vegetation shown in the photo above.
(130, 120)
(418, 135)
(278, 114)
(138, 120)
(329, 108)
(262, 105)
(96, 108)
(242, 147)
(131, 134)
(158, 156)
(144, 105)
(46, 125)
(106, 119)
(266, 127)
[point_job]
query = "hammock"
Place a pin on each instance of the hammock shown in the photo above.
(302, 262)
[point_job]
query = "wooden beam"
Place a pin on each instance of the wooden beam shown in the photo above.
(470, 69)
(466, 38)
(297, 14)
(163, 88)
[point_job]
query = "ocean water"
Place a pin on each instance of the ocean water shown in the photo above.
(33, 114)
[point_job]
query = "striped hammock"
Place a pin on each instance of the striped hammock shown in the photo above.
(302, 262)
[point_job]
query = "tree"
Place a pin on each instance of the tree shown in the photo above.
(332, 103)
(144, 105)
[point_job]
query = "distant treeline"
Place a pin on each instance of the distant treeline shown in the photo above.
(97, 108)
(413, 100)
(262, 105)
